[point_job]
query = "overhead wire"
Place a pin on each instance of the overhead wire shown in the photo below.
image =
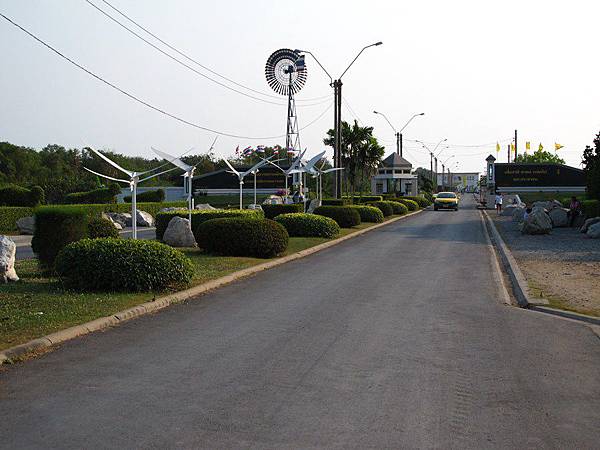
(139, 100)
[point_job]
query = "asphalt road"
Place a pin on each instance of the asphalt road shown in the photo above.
(396, 339)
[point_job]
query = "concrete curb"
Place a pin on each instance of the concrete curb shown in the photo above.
(162, 302)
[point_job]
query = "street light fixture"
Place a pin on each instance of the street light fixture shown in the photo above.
(398, 133)
(432, 156)
(337, 114)
(444, 171)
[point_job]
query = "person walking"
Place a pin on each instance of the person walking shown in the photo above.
(574, 210)
(498, 202)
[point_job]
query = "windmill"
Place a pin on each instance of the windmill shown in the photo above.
(242, 175)
(285, 72)
(134, 180)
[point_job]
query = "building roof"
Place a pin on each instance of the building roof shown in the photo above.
(395, 160)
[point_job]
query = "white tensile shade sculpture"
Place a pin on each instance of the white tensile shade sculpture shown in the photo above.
(134, 180)
(287, 172)
(242, 175)
(318, 174)
(307, 168)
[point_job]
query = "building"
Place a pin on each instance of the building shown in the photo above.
(464, 181)
(394, 176)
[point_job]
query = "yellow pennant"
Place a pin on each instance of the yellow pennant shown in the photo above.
(497, 148)
(527, 145)
(512, 147)
(557, 146)
(541, 147)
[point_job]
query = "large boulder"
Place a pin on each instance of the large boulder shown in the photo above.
(588, 223)
(178, 233)
(508, 210)
(594, 231)
(559, 217)
(8, 250)
(545, 205)
(117, 225)
(204, 206)
(314, 204)
(26, 225)
(538, 222)
(170, 209)
(255, 207)
(123, 219)
(144, 219)
(518, 213)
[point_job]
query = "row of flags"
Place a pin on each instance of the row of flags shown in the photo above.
(261, 149)
(557, 147)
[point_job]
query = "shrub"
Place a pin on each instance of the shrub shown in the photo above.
(272, 211)
(421, 201)
(398, 208)
(55, 228)
(367, 198)
(123, 265)
(345, 216)
(385, 207)
(335, 201)
(162, 219)
(308, 225)
(369, 213)
(591, 208)
(95, 196)
(12, 195)
(410, 204)
(99, 227)
(428, 196)
(148, 196)
(241, 236)
(9, 216)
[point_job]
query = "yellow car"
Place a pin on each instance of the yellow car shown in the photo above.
(446, 200)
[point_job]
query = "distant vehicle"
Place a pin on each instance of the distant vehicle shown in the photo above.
(434, 195)
(446, 200)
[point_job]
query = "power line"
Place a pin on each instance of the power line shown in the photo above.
(189, 58)
(138, 100)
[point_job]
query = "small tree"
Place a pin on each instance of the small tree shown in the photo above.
(539, 157)
(591, 168)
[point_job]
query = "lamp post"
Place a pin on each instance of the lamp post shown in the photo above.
(337, 115)
(398, 133)
(444, 171)
(431, 156)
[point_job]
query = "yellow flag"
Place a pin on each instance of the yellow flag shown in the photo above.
(557, 146)
(512, 147)
(497, 148)
(527, 145)
(541, 147)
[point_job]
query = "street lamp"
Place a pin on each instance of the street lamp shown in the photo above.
(431, 155)
(444, 171)
(337, 115)
(398, 133)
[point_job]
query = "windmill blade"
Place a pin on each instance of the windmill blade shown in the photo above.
(231, 167)
(333, 169)
(296, 162)
(258, 165)
(173, 160)
(213, 143)
(315, 159)
(111, 162)
(296, 171)
(105, 176)
(157, 174)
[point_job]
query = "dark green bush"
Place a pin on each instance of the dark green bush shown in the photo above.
(56, 227)
(591, 208)
(335, 201)
(421, 201)
(272, 211)
(369, 214)
(148, 196)
(410, 204)
(199, 216)
(95, 196)
(9, 216)
(241, 236)
(308, 225)
(12, 195)
(123, 265)
(385, 207)
(398, 208)
(428, 196)
(367, 198)
(99, 227)
(345, 216)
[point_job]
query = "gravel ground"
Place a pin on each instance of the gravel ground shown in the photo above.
(563, 267)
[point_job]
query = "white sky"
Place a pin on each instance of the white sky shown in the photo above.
(478, 69)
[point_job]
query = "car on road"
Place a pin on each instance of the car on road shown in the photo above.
(446, 200)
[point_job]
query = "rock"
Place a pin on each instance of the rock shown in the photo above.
(144, 219)
(508, 210)
(117, 225)
(26, 225)
(314, 204)
(123, 219)
(255, 207)
(588, 223)
(538, 222)
(171, 208)
(204, 206)
(8, 250)
(178, 233)
(594, 231)
(559, 217)
(518, 214)
(545, 205)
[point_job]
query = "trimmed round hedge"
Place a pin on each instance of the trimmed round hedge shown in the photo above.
(108, 264)
(12, 195)
(398, 208)
(308, 225)
(345, 216)
(369, 214)
(422, 201)
(385, 208)
(410, 204)
(100, 227)
(272, 211)
(237, 236)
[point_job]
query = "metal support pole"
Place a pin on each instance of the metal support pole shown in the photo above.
(241, 188)
(255, 187)
(134, 210)
(337, 90)
(508, 153)
(431, 169)
(436, 174)
(515, 145)
(443, 178)
(400, 143)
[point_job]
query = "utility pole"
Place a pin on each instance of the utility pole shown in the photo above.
(443, 178)
(508, 151)
(516, 145)
(436, 174)
(337, 127)
(398, 144)
(431, 169)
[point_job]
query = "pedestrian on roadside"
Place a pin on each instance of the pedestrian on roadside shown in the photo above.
(574, 210)
(498, 202)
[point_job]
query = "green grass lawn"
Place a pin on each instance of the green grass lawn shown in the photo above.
(37, 305)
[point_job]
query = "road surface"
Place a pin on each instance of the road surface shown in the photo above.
(396, 339)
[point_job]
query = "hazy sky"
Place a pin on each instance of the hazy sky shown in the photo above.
(478, 69)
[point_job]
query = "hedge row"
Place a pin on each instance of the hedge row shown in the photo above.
(95, 196)
(345, 216)
(335, 201)
(9, 216)
(385, 207)
(242, 236)
(369, 214)
(123, 265)
(12, 195)
(398, 208)
(148, 196)
(272, 211)
(308, 225)
(591, 208)
(199, 216)
(422, 201)
(410, 204)
(367, 198)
